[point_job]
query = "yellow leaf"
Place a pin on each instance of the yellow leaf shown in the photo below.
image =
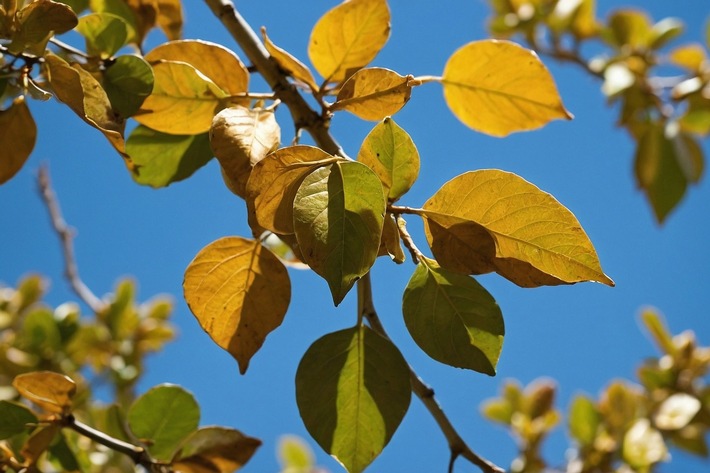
(239, 292)
(348, 37)
(498, 87)
(38, 443)
(183, 101)
(390, 244)
(289, 63)
(690, 56)
(18, 134)
(170, 18)
(494, 220)
(51, 391)
(374, 93)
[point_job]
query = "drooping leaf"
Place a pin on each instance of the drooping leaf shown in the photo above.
(374, 93)
(390, 152)
(289, 63)
(348, 37)
(53, 392)
(14, 419)
(37, 22)
(584, 420)
(453, 318)
(105, 33)
(239, 292)
(240, 137)
(166, 14)
(338, 214)
(492, 220)
(161, 159)
(128, 81)
(162, 418)
(38, 442)
(391, 244)
(18, 134)
(214, 450)
(170, 18)
(274, 181)
(352, 390)
(498, 87)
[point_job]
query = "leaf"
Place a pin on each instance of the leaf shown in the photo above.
(162, 418)
(348, 37)
(338, 214)
(84, 95)
(390, 152)
(161, 159)
(38, 442)
(352, 390)
(690, 56)
(128, 81)
(18, 134)
(374, 93)
(453, 318)
(183, 101)
(658, 330)
(240, 137)
(37, 22)
(170, 18)
(584, 420)
(492, 220)
(498, 87)
(105, 33)
(52, 392)
(120, 9)
(665, 31)
(295, 455)
(239, 292)
(14, 419)
(214, 450)
(676, 412)
(289, 63)
(628, 28)
(391, 244)
(274, 181)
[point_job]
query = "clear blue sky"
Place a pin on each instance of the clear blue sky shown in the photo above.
(582, 336)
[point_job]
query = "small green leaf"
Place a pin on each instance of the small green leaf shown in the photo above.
(162, 418)
(352, 390)
(105, 33)
(295, 455)
(453, 318)
(60, 450)
(14, 419)
(583, 420)
(128, 81)
(117, 8)
(214, 450)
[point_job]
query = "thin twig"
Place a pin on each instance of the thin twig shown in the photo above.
(69, 48)
(66, 235)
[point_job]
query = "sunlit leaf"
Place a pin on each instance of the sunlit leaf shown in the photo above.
(239, 292)
(51, 391)
(338, 214)
(352, 390)
(697, 116)
(146, 16)
(665, 31)
(128, 81)
(654, 324)
(18, 134)
(170, 18)
(390, 152)
(105, 33)
(295, 455)
(240, 137)
(120, 9)
(492, 220)
(585, 24)
(676, 411)
(214, 450)
(628, 28)
(643, 445)
(584, 420)
(289, 63)
(374, 93)
(274, 181)
(690, 56)
(161, 159)
(37, 22)
(498, 87)
(14, 419)
(162, 418)
(348, 37)
(453, 318)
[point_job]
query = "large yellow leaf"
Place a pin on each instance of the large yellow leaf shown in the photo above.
(18, 133)
(239, 292)
(348, 37)
(498, 87)
(374, 93)
(51, 391)
(289, 63)
(490, 220)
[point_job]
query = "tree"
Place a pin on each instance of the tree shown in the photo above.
(440, 229)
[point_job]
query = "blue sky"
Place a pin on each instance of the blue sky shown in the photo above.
(583, 336)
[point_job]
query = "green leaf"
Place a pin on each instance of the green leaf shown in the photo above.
(352, 390)
(628, 28)
(338, 214)
(40, 333)
(295, 456)
(14, 419)
(77, 6)
(584, 420)
(214, 450)
(128, 81)
(390, 152)
(658, 330)
(37, 22)
(453, 318)
(120, 9)
(161, 159)
(60, 450)
(162, 418)
(105, 33)
(18, 134)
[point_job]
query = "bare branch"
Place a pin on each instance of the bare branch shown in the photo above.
(66, 235)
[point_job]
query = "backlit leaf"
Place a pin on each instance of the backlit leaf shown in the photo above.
(289, 63)
(240, 137)
(239, 292)
(348, 37)
(105, 33)
(120, 9)
(453, 318)
(352, 390)
(665, 31)
(214, 450)
(37, 22)
(274, 181)
(14, 419)
(295, 455)
(689, 56)
(162, 418)
(183, 101)
(128, 81)
(161, 159)
(18, 134)
(628, 28)
(374, 93)
(390, 152)
(51, 391)
(492, 220)
(584, 420)
(498, 87)
(38, 442)
(338, 214)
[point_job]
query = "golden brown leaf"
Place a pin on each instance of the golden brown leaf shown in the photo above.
(374, 93)
(289, 63)
(51, 391)
(18, 134)
(170, 18)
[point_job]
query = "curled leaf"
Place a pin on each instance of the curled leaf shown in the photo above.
(289, 63)
(51, 391)
(374, 93)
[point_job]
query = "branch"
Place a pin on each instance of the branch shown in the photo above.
(71, 272)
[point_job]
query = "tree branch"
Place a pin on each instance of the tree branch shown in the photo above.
(66, 235)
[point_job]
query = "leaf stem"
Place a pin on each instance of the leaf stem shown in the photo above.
(408, 240)
(425, 80)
